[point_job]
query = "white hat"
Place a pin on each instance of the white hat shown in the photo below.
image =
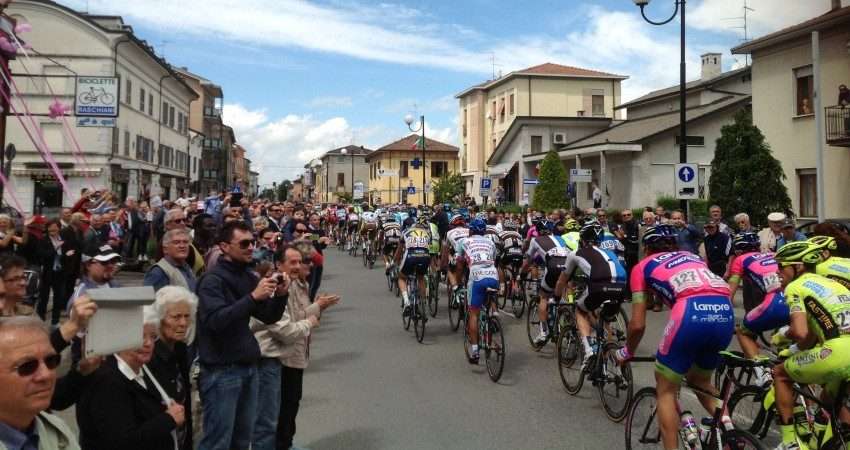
(776, 217)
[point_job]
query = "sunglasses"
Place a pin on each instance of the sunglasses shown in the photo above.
(178, 221)
(300, 230)
(247, 243)
(29, 367)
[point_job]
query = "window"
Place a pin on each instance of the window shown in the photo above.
(502, 110)
(164, 113)
(804, 90)
(115, 136)
(126, 143)
(128, 96)
(511, 104)
(171, 116)
(598, 105)
(340, 180)
(140, 143)
(807, 180)
(180, 122)
(464, 122)
(536, 144)
(402, 169)
(439, 168)
(693, 141)
(142, 100)
(159, 154)
(150, 104)
(493, 110)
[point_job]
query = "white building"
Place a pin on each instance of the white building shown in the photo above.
(143, 151)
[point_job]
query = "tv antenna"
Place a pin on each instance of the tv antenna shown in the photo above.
(494, 65)
(744, 18)
(162, 45)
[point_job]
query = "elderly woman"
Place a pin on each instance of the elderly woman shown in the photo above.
(174, 311)
(125, 407)
(8, 238)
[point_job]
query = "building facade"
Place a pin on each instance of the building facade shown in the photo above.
(396, 172)
(487, 111)
(337, 171)
(139, 152)
(785, 91)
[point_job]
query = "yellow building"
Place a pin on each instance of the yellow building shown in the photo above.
(488, 110)
(392, 173)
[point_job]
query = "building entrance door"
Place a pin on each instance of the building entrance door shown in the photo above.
(48, 198)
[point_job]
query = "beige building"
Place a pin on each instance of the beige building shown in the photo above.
(337, 170)
(487, 110)
(396, 175)
(205, 120)
(785, 90)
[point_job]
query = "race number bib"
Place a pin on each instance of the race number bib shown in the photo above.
(694, 279)
(771, 282)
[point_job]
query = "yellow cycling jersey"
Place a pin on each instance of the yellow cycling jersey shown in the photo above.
(837, 269)
(825, 302)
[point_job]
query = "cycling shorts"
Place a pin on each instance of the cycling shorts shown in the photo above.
(479, 281)
(770, 314)
(370, 226)
(390, 248)
(354, 224)
(699, 328)
(509, 259)
(554, 267)
(599, 293)
(416, 263)
(827, 364)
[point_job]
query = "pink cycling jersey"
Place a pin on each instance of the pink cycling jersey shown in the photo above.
(760, 268)
(676, 275)
(532, 233)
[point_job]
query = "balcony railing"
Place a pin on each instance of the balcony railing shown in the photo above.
(838, 126)
(210, 111)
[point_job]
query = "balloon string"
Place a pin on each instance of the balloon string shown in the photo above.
(10, 191)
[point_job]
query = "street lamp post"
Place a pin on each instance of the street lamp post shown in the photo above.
(683, 134)
(408, 119)
(345, 152)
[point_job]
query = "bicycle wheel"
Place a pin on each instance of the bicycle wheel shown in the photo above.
(365, 259)
(740, 440)
(433, 293)
(518, 301)
(390, 281)
(642, 430)
(371, 259)
(838, 442)
(419, 319)
(532, 324)
(494, 349)
(503, 299)
(570, 354)
(407, 319)
(746, 410)
(616, 387)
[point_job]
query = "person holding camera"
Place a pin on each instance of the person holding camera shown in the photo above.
(229, 296)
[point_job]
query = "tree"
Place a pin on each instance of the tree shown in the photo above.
(551, 192)
(283, 189)
(745, 177)
(446, 188)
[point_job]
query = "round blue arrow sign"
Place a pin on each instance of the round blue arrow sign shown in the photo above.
(686, 174)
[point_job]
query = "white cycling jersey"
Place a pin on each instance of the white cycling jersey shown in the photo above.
(455, 235)
(340, 214)
(353, 217)
(370, 217)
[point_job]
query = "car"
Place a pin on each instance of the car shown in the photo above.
(807, 225)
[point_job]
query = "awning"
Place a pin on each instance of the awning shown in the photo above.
(500, 170)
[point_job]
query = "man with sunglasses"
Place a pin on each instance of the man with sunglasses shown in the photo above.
(28, 365)
(99, 267)
(229, 296)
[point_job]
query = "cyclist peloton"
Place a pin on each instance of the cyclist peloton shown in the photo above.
(551, 252)
(413, 258)
(819, 325)
(368, 227)
(701, 323)
(478, 253)
(772, 311)
(390, 237)
(603, 278)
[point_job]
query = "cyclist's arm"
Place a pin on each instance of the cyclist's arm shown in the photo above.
(799, 331)
(399, 251)
(570, 266)
(637, 325)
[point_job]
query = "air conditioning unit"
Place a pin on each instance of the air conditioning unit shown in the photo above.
(559, 138)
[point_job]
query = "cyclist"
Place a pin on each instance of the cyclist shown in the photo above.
(510, 250)
(368, 227)
(603, 277)
(434, 248)
(478, 253)
(551, 252)
(353, 223)
(571, 234)
(820, 324)
(701, 323)
(390, 237)
(832, 267)
(412, 255)
(457, 232)
(772, 312)
(341, 217)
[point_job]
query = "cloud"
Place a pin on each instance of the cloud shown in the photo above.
(330, 102)
(726, 16)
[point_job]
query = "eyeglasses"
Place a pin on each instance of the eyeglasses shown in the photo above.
(247, 243)
(29, 367)
(178, 220)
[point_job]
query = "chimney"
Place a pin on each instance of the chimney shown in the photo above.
(711, 66)
(836, 4)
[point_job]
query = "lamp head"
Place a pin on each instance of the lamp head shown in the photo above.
(344, 151)
(408, 119)
(641, 3)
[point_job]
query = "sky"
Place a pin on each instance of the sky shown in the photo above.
(300, 78)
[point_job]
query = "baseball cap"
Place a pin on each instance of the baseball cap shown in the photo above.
(104, 253)
(788, 223)
(776, 217)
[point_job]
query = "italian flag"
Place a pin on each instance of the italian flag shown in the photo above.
(419, 144)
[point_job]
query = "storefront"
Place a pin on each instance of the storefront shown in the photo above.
(120, 181)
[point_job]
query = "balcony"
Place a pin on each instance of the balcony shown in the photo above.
(838, 126)
(211, 111)
(212, 144)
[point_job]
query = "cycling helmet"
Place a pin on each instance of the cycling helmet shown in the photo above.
(746, 240)
(457, 221)
(477, 226)
(824, 242)
(799, 252)
(571, 225)
(509, 225)
(591, 232)
(481, 215)
(543, 226)
(424, 219)
(659, 234)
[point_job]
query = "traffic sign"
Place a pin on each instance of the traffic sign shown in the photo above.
(687, 181)
(411, 190)
(486, 183)
(358, 191)
(581, 175)
(387, 173)
(530, 181)
(416, 163)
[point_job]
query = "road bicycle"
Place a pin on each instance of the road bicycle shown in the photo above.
(491, 339)
(753, 408)
(642, 429)
(433, 281)
(457, 307)
(555, 321)
(369, 255)
(615, 384)
(514, 291)
(417, 313)
(96, 95)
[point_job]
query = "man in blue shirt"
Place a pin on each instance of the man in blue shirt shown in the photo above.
(687, 235)
(788, 234)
